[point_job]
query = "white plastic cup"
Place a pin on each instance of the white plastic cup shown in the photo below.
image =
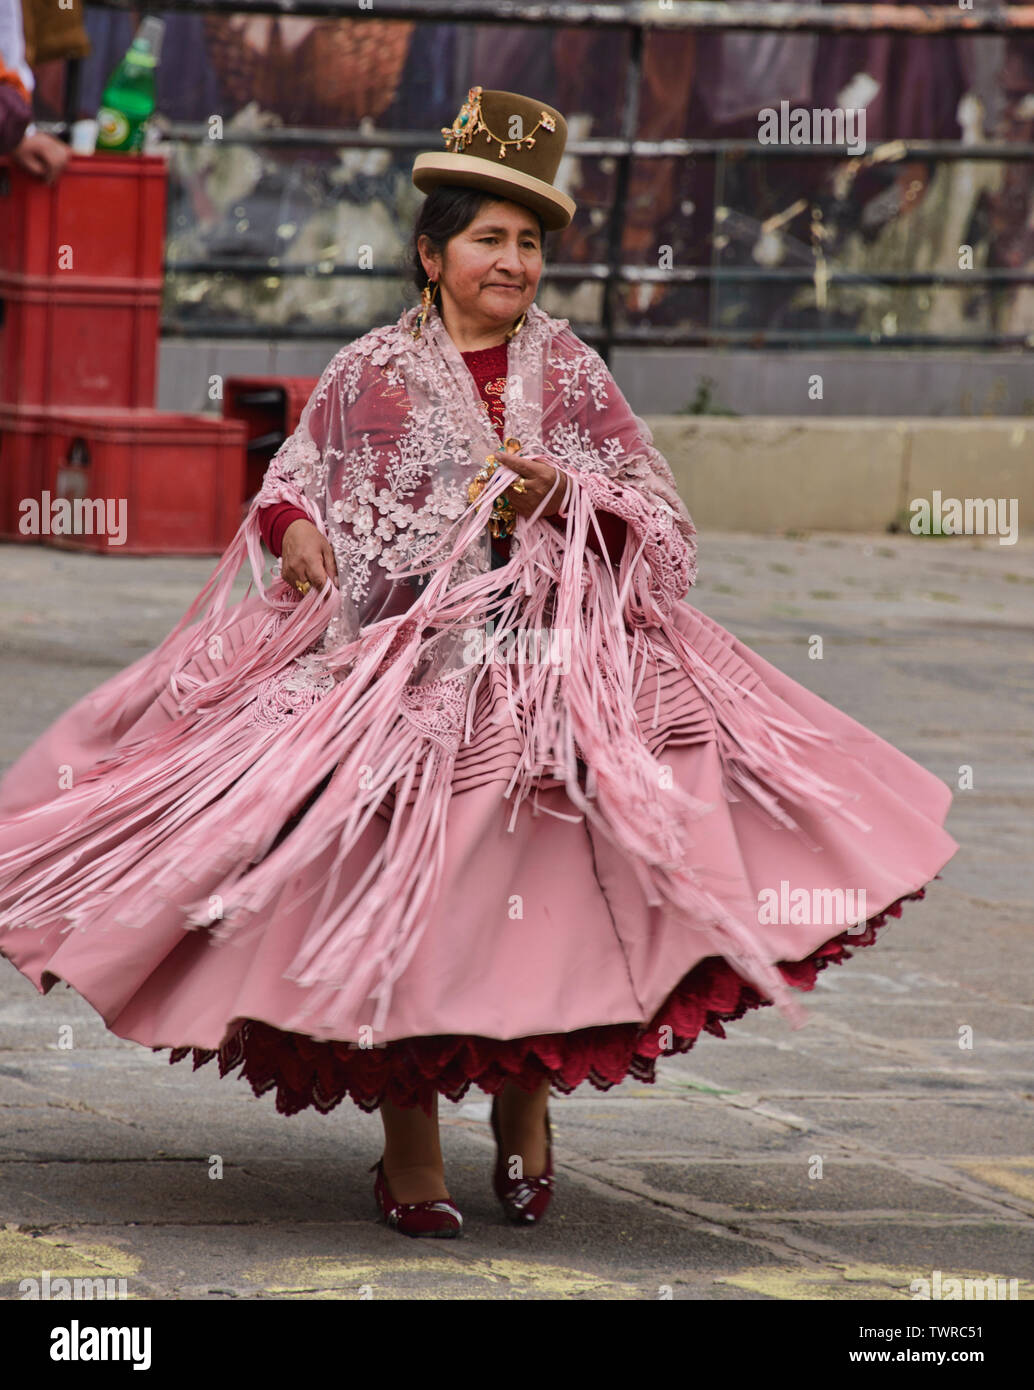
(84, 136)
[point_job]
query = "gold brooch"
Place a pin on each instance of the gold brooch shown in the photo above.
(503, 518)
(471, 122)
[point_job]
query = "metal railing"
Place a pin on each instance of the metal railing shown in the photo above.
(637, 18)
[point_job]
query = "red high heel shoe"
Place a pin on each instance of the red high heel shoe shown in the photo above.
(433, 1218)
(524, 1200)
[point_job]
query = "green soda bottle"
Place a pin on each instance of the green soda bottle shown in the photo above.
(129, 97)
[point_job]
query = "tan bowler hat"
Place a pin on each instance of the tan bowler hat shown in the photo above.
(481, 153)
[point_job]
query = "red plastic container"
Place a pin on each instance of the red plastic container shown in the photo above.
(168, 484)
(102, 219)
(270, 407)
(81, 343)
(22, 444)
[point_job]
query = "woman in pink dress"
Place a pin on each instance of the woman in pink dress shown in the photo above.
(468, 794)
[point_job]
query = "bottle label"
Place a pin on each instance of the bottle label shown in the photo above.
(112, 127)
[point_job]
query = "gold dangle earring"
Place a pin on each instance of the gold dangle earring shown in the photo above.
(426, 300)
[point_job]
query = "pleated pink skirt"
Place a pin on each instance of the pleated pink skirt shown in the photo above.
(541, 957)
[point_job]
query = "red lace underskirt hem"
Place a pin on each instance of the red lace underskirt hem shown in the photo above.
(308, 1072)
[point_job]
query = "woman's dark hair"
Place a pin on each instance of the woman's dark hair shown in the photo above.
(446, 211)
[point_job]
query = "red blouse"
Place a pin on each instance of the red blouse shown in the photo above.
(488, 368)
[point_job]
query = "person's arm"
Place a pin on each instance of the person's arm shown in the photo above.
(14, 116)
(666, 564)
(15, 86)
(612, 459)
(274, 521)
(285, 498)
(38, 154)
(615, 531)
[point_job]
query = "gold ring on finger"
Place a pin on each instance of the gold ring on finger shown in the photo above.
(303, 587)
(519, 486)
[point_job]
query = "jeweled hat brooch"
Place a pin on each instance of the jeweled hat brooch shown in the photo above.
(507, 144)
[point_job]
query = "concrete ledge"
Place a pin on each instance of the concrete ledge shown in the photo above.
(780, 473)
(873, 382)
(870, 383)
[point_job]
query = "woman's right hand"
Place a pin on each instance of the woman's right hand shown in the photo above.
(306, 555)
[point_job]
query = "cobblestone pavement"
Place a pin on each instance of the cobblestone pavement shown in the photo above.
(705, 1184)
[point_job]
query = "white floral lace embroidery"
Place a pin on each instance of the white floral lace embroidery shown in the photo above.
(577, 448)
(384, 526)
(574, 373)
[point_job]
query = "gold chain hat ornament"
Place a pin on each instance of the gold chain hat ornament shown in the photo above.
(471, 122)
(520, 165)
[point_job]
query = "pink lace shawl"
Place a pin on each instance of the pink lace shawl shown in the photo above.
(366, 689)
(395, 429)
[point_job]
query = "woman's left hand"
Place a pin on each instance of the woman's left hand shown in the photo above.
(539, 476)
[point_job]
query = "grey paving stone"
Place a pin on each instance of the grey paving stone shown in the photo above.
(961, 1250)
(935, 1126)
(763, 1186)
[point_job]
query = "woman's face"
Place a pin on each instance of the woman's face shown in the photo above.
(490, 271)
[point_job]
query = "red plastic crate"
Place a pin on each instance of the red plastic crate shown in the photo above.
(103, 218)
(175, 480)
(22, 445)
(78, 344)
(270, 407)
